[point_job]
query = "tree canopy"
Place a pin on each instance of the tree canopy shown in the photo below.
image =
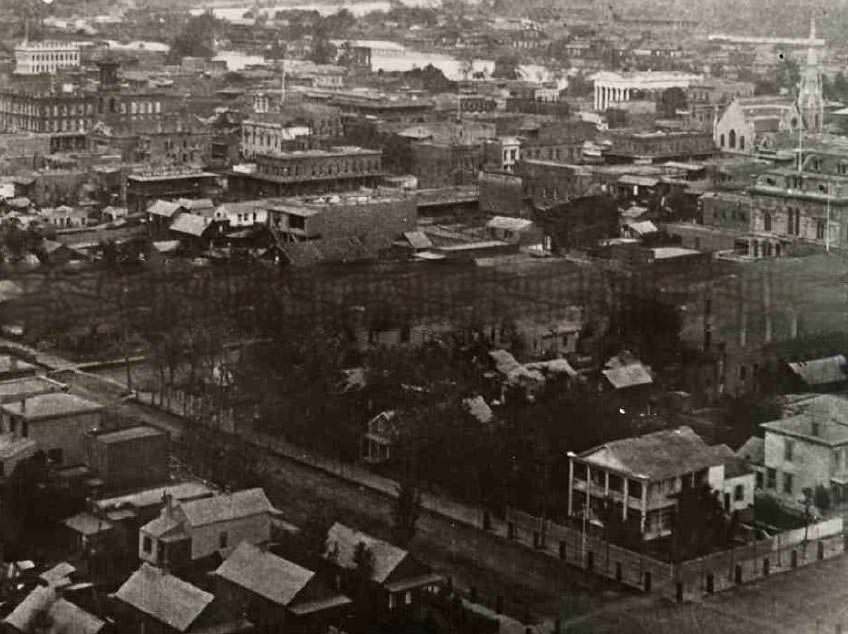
(197, 39)
(507, 67)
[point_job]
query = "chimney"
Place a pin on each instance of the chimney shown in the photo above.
(167, 504)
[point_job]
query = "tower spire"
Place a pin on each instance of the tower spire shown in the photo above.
(810, 97)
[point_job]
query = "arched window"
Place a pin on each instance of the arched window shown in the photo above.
(731, 139)
(767, 221)
(741, 142)
(721, 140)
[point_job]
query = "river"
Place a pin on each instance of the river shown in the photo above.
(404, 59)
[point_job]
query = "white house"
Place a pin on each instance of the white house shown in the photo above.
(188, 531)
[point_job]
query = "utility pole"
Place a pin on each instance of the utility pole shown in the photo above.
(124, 294)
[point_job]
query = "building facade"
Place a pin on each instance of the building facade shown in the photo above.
(32, 58)
(642, 482)
(341, 168)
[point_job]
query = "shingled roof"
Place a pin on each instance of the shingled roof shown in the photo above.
(164, 597)
(657, 456)
(265, 574)
(223, 508)
(341, 545)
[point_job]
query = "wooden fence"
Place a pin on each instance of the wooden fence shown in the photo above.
(194, 407)
(687, 580)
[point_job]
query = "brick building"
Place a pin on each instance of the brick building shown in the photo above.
(557, 141)
(658, 147)
(168, 183)
(548, 182)
(438, 164)
(294, 173)
(708, 98)
(380, 214)
(806, 206)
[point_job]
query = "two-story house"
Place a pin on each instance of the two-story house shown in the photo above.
(187, 532)
(642, 477)
(57, 422)
(808, 449)
(277, 594)
(398, 582)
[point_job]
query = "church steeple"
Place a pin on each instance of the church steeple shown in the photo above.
(810, 97)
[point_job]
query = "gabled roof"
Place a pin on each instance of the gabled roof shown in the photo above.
(58, 574)
(190, 224)
(11, 446)
(642, 227)
(161, 526)
(63, 616)
(265, 574)
(222, 508)
(87, 524)
(753, 451)
(734, 466)
(656, 456)
(418, 239)
(508, 223)
(164, 597)
(163, 208)
(341, 546)
(153, 496)
(821, 371)
(629, 375)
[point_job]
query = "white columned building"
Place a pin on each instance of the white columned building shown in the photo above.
(612, 88)
(33, 58)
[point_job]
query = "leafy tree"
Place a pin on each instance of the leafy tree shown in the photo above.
(363, 560)
(672, 100)
(430, 79)
(323, 51)
(507, 67)
(197, 39)
(700, 523)
(406, 512)
(788, 74)
(579, 86)
(821, 498)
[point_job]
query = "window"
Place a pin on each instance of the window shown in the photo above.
(787, 483)
(146, 544)
(615, 482)
(223, 539)
(634, 488)
(759, 476)
(407, 598)
(738, 493)
(731, 139)
(767, 221)
(771, 478)
(392, 601)
(819, 229)
(788, 447)
(743, 372)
